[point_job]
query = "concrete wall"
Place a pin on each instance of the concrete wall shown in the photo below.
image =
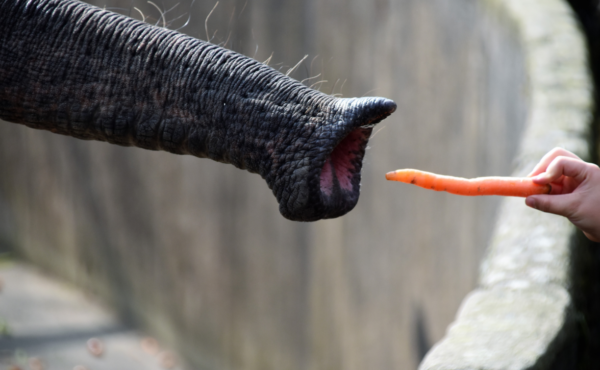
(196, 252)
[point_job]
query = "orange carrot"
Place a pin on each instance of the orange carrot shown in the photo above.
(506, 186)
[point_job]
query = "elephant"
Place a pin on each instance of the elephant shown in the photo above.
(78, 70)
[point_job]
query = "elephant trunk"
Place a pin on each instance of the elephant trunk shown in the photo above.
(78, 70)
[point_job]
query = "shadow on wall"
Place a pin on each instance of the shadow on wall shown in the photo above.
(421, 340)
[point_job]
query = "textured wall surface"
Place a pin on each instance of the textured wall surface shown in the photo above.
(197, 252)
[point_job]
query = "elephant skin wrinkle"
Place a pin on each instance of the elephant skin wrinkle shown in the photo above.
(77, 70)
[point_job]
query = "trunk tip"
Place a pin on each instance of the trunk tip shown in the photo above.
(384, 106)
(372, 110)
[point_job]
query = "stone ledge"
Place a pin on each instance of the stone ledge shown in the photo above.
(505, 329)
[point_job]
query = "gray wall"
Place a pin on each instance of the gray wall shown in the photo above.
(197, 252)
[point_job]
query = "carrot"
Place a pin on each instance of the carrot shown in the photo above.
(506, 186)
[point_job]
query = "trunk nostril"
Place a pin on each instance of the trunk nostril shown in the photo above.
(340, 167)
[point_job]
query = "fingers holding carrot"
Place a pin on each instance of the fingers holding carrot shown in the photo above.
(548, 158)
(575, 190)
(565, 174)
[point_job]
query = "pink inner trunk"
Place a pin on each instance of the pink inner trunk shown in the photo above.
(339, 163)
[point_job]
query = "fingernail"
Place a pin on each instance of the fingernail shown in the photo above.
(530, 201)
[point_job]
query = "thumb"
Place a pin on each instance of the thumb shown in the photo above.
(561, 204)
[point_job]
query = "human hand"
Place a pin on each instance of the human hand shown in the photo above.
(575, 190)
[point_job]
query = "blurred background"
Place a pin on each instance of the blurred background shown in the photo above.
(196, 253)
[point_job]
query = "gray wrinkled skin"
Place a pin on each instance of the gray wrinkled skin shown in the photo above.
(80, 71)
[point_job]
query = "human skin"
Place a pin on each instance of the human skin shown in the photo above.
(77, 70)
(575, 190)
